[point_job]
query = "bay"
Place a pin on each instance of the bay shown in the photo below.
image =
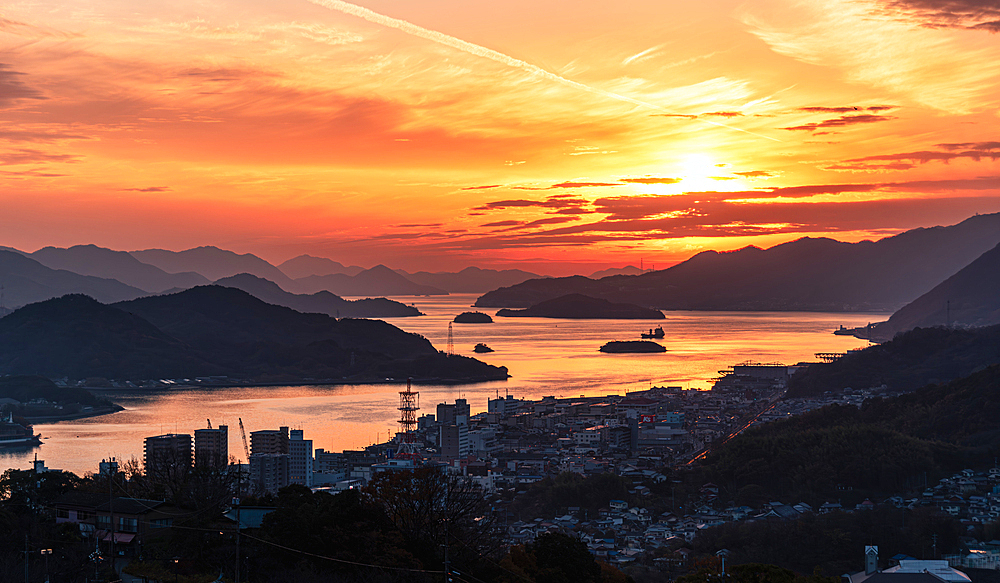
(544, 356)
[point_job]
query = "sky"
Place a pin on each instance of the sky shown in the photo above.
(549, 136)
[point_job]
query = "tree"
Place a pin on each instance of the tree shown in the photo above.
(432, 509)
(552, 558)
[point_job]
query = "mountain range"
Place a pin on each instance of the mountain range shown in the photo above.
(25, 280)
(807, 274)
(814, 274)
(470, 279)
(213, 263)
(306, 265)
(214, 330)
(321, 302)
(119, 265)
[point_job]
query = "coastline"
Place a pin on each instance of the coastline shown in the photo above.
(96, 412)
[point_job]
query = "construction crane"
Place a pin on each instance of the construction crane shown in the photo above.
(243, 434)
(209, 423)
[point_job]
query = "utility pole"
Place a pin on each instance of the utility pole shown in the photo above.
(111, 518)
(46, 553)
(236, 503)
(447, 568)
(26, 555)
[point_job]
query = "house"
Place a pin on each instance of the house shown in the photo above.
(128, 521)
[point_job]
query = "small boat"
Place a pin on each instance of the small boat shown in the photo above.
(658, 333)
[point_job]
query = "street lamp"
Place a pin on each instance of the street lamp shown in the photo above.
(175, 561)
(46, 553)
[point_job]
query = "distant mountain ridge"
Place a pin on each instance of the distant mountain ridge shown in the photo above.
(213, 263)
(377, 281)
(27, 281)
(321, 302)
(470, 279)
(806, 274)
(306, 265)
(119, 265)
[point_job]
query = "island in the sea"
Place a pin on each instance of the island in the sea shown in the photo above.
(473, 318)
(578, 306)
(481, 348)
(632, 346)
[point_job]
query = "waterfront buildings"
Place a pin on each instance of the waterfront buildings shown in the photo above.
(211, 447)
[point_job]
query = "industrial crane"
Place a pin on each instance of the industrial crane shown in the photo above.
(243, 434)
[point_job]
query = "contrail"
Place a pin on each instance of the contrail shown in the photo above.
(481, 51)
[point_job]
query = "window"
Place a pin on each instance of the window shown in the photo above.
(127, 524)
(161, 522)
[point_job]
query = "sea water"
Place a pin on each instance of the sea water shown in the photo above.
(544, 357)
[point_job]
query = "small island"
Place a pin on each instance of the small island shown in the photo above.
(581, 307)
(473, 318)
(632, 346)
(482, 348)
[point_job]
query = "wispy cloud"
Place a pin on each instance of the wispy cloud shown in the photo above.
(149, 189)
(643, 55)
(902, 161)
(12, 88)
(487, 53)
(967, 14)
(874, 50)
(32, 156)
(842, 121)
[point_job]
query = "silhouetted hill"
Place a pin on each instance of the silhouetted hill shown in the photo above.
(322, 302)
(578, 306)
(119, 265)
(883, 448)
(26, 281)
(254, 338)
(910, 360)
(78, 337)
(213, 330)
(377, 281)
(213, 263)
(306, 265)
(968, 298)
(807, 274)
(470, 279)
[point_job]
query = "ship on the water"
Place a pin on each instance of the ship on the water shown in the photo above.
(13, 434)
(657, 333)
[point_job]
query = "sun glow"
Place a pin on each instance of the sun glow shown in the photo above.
(698, 172)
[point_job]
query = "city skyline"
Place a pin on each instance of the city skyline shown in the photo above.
(437, 135)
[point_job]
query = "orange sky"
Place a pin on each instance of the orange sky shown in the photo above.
(436, 134)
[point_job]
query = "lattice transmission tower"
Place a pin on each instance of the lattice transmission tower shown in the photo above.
(409, 404)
